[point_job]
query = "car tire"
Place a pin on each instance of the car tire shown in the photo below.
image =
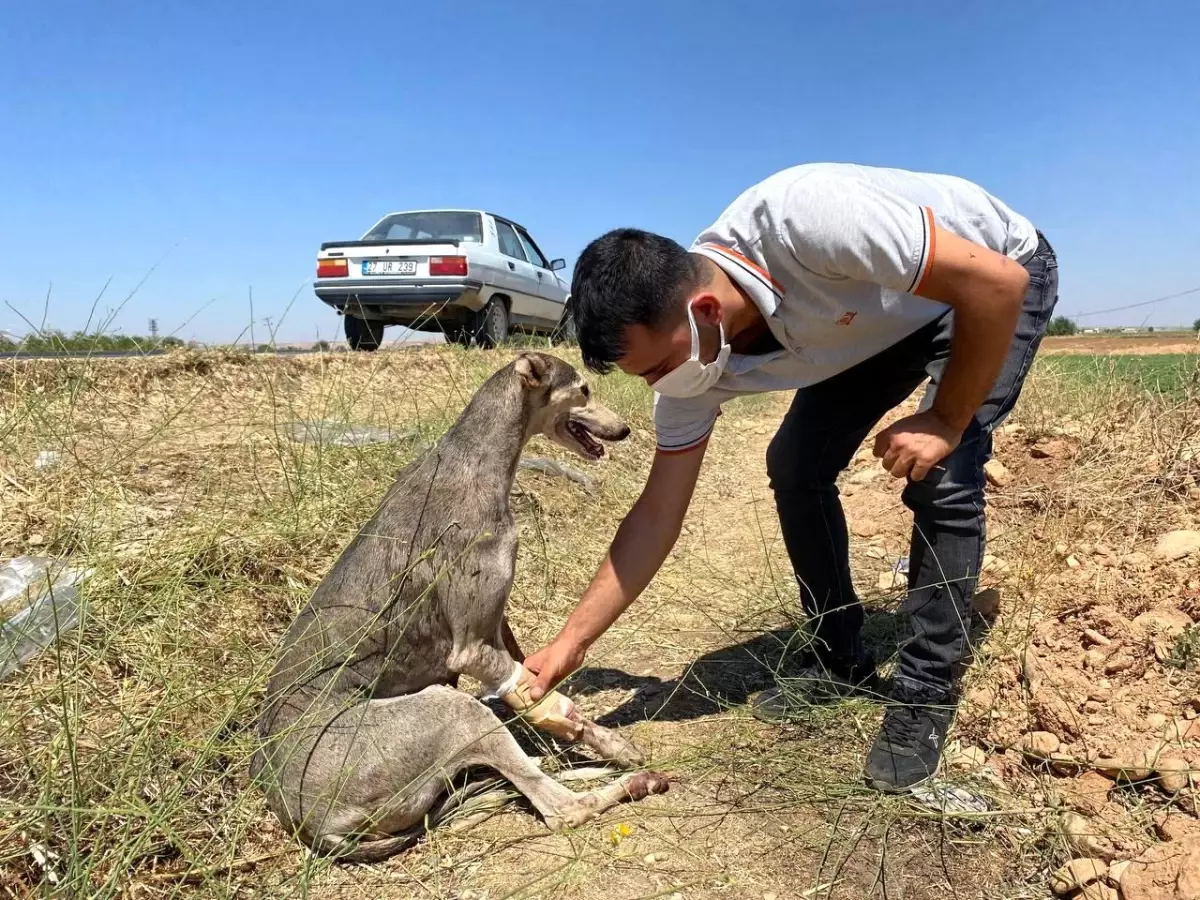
(362, 334)
(491, 325)
(564, 332)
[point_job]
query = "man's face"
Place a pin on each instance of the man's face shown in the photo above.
(652, 353)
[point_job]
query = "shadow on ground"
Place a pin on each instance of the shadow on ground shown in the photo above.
(729, 677)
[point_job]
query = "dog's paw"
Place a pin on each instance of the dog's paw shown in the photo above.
(643, 784)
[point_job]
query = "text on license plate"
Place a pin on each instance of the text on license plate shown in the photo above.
(389, 267)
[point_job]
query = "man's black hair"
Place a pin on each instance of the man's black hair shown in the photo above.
(627, 277)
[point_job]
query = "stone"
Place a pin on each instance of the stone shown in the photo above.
(1094, 659)
(1038, 744)
(1163, 620)
(1117, 870)
(890, 581)
(1132, 767)
(1097, 890)
(1135, 560)
(1086, 838)
(1174, 827)
(1174, 773)
(1052, 449)
(877, 553)
(996, 473)
(995, 565)
(1177, 544)
(1164, 872)
(968, 759)
(866, 476)
(1091, 635)
(1118, 664)
(1155, 721)
(1087, 794)
(1061, 549)
(864, 528)
(1076, 874)
(987, 603)
(1072, 562)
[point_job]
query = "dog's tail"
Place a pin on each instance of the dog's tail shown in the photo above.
(461, 809)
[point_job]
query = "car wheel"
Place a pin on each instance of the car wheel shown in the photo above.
(362, 334)
(564, 332)
(492, 328)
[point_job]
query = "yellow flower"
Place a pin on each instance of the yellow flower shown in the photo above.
(619, 833)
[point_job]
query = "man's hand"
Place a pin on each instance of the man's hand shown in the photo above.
(915, 444)
(552, 664)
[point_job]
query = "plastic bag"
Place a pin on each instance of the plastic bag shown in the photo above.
(39, 600)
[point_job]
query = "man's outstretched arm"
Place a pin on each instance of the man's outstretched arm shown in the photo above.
(642, 543)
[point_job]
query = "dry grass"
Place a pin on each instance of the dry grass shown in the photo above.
(123, 752)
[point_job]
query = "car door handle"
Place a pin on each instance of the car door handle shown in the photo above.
(539, 274)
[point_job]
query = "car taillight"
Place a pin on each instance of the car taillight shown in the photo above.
(447, 265)
(332, 268)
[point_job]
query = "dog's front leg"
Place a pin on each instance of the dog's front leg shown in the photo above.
(510, 641)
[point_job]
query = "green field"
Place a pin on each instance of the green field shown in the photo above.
(1164, 373)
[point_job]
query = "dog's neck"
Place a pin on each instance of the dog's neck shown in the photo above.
(490, 435)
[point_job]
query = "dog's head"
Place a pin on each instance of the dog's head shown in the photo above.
(564, 409)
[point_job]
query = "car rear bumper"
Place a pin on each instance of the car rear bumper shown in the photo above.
(401, 300)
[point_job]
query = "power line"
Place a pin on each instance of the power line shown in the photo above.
(1100, 312)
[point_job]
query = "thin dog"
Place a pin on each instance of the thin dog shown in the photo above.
(363, 725)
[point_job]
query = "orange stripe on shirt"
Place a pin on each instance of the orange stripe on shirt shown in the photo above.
(757, 268)
(932, 249)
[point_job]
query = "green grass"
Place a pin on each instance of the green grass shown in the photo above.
(1165, 373)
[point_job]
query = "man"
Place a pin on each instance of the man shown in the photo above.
(852, 285)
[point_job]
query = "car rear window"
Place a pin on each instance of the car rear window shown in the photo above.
(429, 226)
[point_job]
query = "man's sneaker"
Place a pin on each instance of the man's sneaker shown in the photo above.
(818, 681)
(909, 745)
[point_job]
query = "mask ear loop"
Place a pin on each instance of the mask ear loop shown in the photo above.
(696, 334)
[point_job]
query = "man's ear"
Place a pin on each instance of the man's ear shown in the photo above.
(706, 307)
(532, 370)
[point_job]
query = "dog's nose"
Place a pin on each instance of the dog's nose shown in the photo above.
(622, 433)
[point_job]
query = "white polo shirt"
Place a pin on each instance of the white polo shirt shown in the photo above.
(831, 254)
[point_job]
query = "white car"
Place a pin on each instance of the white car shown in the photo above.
(471, 275)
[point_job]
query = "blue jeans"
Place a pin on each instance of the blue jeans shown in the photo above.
(819, 436)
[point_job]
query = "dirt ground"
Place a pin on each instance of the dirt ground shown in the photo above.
(1121, 345)
(208, 530)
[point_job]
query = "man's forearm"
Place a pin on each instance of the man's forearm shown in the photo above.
(637, 552)
(983, 334)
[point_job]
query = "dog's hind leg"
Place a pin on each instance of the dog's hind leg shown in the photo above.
(488, 743)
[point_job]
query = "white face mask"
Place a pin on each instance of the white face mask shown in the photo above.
(691, 378)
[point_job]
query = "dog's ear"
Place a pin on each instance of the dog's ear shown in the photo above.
(532, 369)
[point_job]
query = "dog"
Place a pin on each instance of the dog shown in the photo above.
(363, 724)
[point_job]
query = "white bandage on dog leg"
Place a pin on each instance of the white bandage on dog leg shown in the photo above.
(506, 687)
(554, 713)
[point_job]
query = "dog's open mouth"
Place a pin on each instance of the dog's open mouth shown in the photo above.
(588, 445)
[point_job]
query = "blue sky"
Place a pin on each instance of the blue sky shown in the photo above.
(232, 138)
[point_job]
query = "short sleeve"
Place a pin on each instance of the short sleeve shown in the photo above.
(681, 424)
(840, 227)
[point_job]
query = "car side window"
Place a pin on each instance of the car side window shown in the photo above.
(510, 245)
(531, 250)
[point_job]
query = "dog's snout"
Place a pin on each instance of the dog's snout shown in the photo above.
(622, 432)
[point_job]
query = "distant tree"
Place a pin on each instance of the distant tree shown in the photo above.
(322, 345)
(1061, 326)
(171, 343)
(1196, 325)
(1151, 329)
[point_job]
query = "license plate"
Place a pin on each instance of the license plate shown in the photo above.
(389, 267)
